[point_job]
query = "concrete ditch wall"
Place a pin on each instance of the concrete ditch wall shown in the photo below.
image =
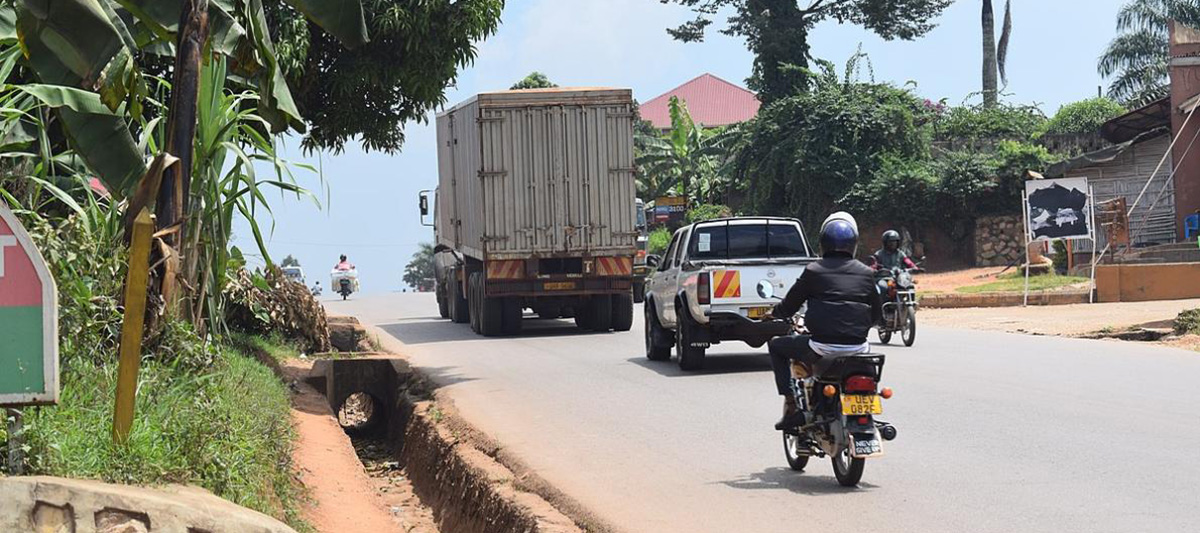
(468, 489)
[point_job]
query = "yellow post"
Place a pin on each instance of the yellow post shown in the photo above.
(132, 327)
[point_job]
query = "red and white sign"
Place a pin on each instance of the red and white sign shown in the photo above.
(28, 319)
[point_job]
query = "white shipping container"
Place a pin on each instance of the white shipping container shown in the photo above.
(538, 173)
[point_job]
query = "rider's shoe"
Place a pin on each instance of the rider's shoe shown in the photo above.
(789, 411)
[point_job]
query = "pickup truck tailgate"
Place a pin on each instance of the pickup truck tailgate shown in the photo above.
(735, 287)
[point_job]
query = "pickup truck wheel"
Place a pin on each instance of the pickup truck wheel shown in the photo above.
(690, 357)
(622, 312)
(658, 343)
(601, 311)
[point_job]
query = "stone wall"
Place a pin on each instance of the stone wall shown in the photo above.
(998, 240)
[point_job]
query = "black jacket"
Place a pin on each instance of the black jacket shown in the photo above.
(843, 304)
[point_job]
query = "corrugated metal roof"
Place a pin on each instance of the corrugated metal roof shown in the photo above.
(712, 102)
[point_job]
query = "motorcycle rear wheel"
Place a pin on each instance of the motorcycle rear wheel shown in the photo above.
(909, 333)
(848, 470)
(796, 461)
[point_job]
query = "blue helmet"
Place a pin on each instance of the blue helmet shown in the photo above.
(839, 234)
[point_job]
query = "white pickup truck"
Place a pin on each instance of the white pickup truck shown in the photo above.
(703, 290)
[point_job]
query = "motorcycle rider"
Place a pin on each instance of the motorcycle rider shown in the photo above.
(344, 265)
(891, 256)
(843, 306)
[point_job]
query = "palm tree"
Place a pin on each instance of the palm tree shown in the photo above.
(1138, 58)
(688, 158)
(994, 57)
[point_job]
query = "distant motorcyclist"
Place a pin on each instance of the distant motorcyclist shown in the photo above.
(843, 306)
(344, 265)
(891, 256)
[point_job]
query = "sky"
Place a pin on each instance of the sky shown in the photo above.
(368, 201)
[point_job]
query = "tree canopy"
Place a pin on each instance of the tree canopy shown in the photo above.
(535, 80)
(1137, 59)
(777, 31)
(421, 267)
(400, 75)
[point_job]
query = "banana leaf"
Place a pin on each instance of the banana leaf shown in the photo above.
(344, 20)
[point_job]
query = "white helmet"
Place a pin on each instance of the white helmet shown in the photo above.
(841, 215)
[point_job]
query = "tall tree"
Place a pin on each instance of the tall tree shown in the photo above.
(369, 92)
(777, 31)
(290, 261)
(1137, 59)
(535, 80)
(995, 56)
(421, 268)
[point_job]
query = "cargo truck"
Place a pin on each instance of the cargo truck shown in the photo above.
(535, 209)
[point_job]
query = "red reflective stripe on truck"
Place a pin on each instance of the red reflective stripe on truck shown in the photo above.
(513, 269)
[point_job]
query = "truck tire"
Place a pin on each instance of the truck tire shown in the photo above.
(490, 319)
(690, 357)
(460, 311)
(658, 340)
(513, 314)
(600, 310)
(583, 316)
(622, 312)
(443, 304)
(639, 292)
(473, 300)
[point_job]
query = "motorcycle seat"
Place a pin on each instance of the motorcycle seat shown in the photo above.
(839, 367)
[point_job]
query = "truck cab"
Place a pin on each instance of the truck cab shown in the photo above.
(702, 291)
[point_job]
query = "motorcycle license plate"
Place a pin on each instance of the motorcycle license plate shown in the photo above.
(861, 404)
(757, 312)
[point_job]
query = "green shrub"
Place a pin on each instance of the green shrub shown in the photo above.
(658, 241)
(1188, 322)
(1083, 117)
(1003, 122)
(704, 212)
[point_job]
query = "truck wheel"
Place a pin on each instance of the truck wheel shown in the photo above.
(601, 311)
(513, 314)
(460, 312)
(639, 292)
(443, 304)
(622, 312)
(658, 340)
(491, 310)
(690, 357)
(582, 314)
(473, 303)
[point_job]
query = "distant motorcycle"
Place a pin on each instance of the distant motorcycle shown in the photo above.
(899, 306)
(345, 282)
(842, 399)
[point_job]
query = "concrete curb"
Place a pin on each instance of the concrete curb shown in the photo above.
(83, 506)
(1003, 299)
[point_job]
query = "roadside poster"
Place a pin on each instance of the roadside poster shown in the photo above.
(28, 320)
(1059, 209)
(670, 209)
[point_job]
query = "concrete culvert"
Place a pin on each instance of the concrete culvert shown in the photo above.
(360, 414)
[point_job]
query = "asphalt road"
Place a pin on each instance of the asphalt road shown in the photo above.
(997, 432)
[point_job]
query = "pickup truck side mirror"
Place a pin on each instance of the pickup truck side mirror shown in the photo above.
(653, 261)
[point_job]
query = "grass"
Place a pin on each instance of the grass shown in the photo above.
(225, 427)
(1188, 322)
(1015, 282)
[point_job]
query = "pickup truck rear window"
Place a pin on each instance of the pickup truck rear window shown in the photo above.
(747, 241)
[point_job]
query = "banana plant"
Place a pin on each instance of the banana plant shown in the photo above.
(94, 45)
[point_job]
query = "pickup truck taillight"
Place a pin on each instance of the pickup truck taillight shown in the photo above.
(703, 289)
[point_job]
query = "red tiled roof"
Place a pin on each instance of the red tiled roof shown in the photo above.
(712, 102)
